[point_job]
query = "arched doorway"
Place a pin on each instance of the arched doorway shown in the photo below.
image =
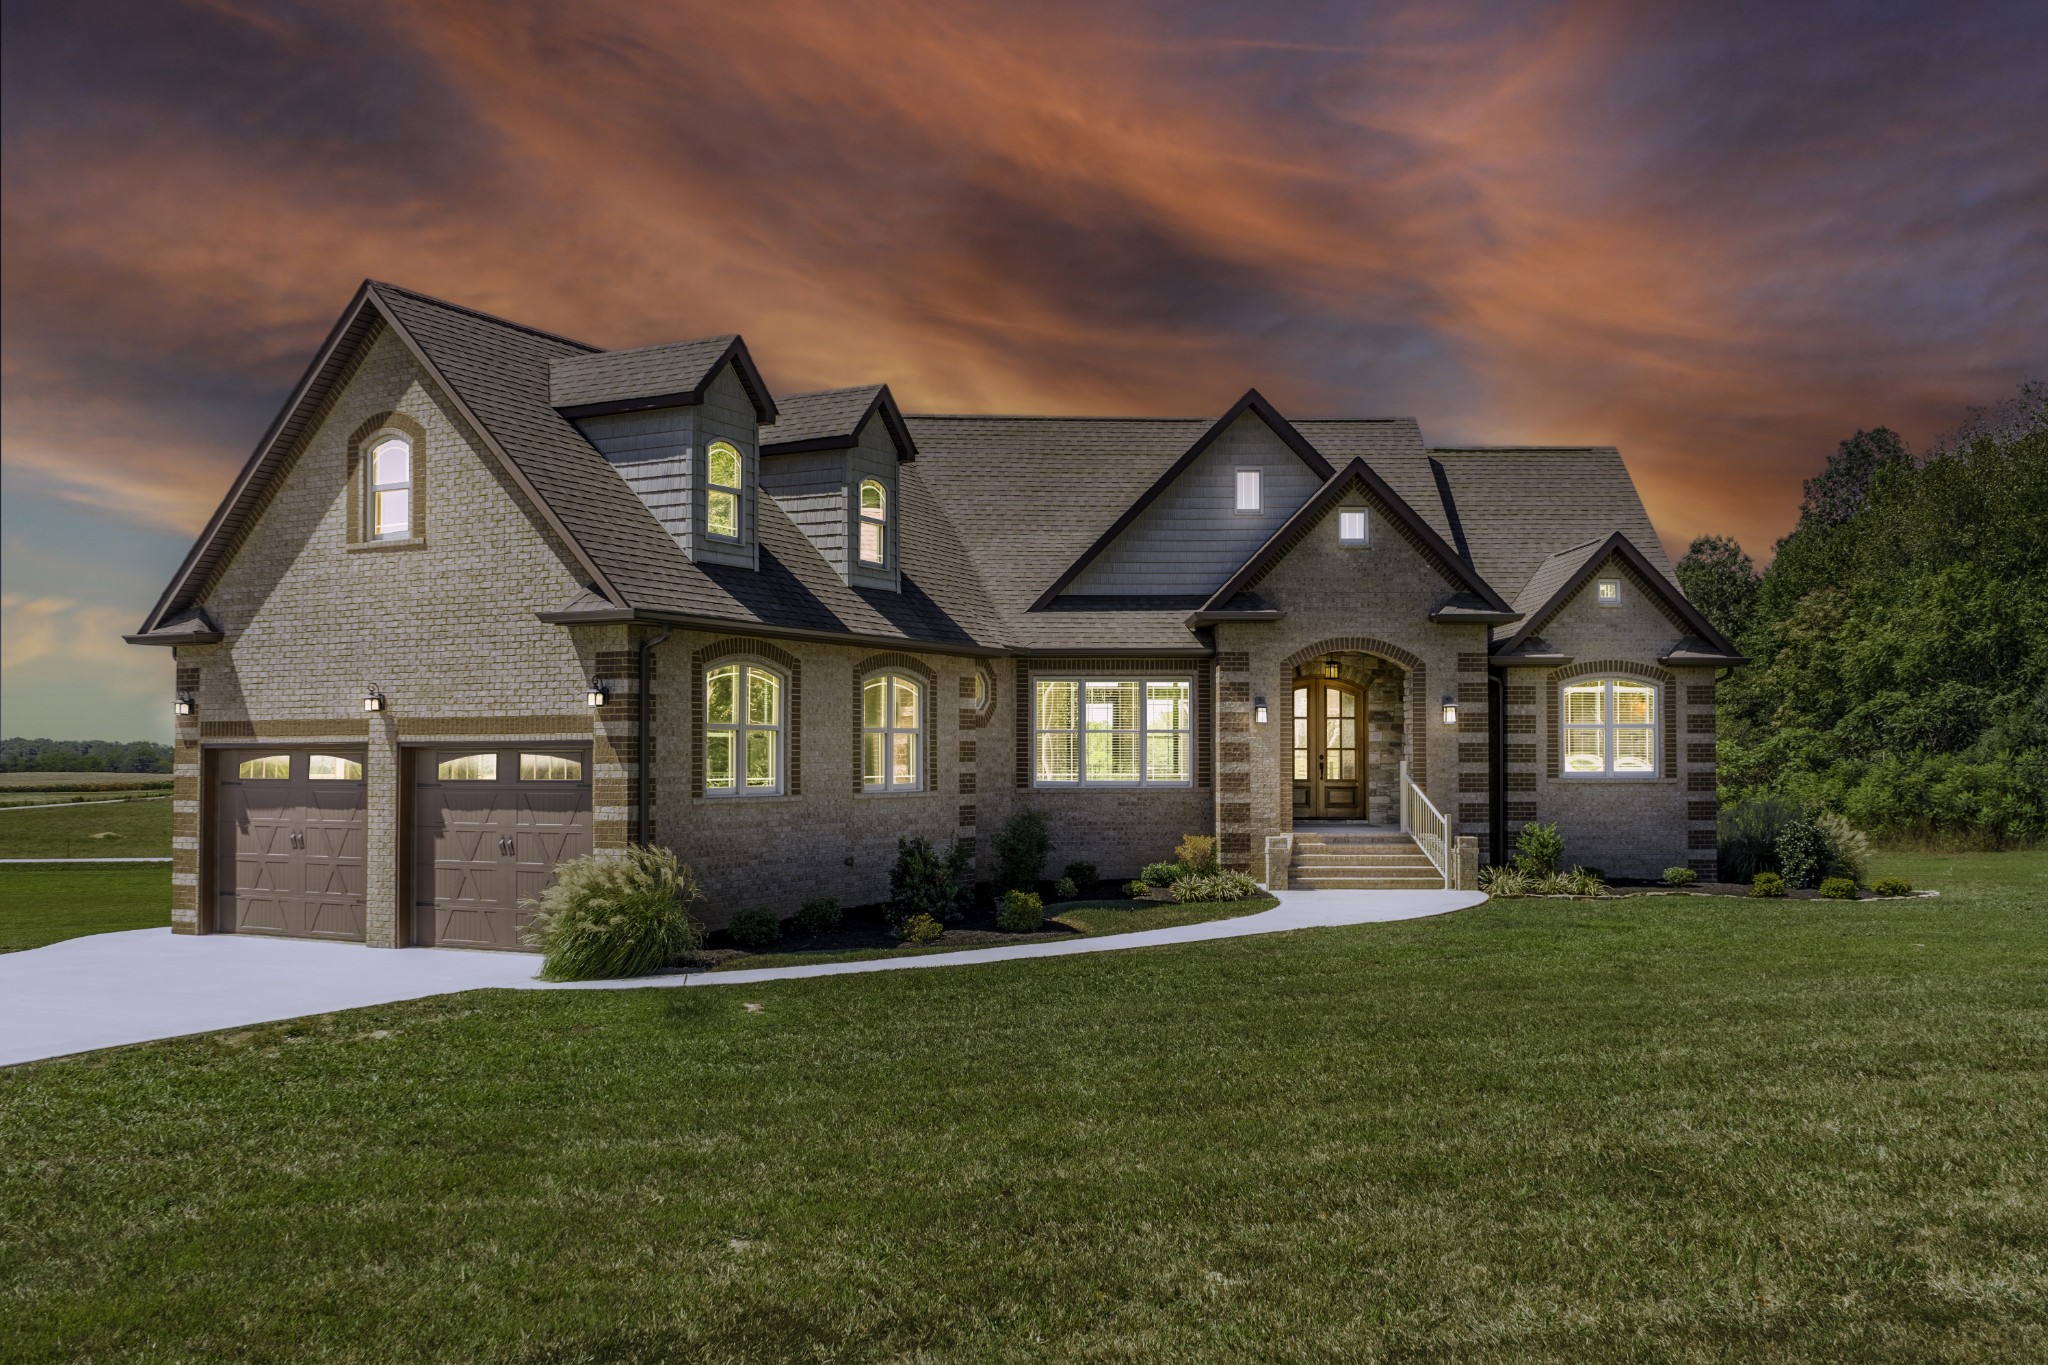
(1329, 750)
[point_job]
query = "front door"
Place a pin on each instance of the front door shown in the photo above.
(1329, 761)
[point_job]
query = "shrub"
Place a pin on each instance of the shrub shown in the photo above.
(615, 914)
(1848, 849)
(1197, 853)
(754, 929)
(1680, 876)
(1080, 874)
(1838, 888)
(1802, 852)
(923, 883)
(1538, 849)
(1766, 886)
(819, 915)
(1893, 886)
(1506, 880)
(1583, 881)
(1021, 850)
(1164, 874)
(1065, 890)
(1219, 886)
(1135, 889)
(1749, 838)
(920, 929)
(1599, 873)
(1021, 912)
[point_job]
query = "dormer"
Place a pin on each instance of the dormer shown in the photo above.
(831, 462)
(681, 422)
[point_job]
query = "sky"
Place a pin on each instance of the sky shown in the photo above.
(1721, 236)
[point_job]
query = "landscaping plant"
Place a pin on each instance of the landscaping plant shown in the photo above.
(1539, 849)
(1020, 912)
(754, 928)
(1080, 874)
(1893, 886)
(819, 915)
(1164, 874)
(923, 883)
(1065, 890)
(1197, 853)
(1217, 886)
(1848, 848)
(1680, 876)
(1749, 837)
(1767, 885)
(610, 915)
(1021, 850)
(1802, 852)
(921, 929)
(1504, 879)
(1838, 888)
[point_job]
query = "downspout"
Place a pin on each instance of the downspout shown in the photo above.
(1497, 778)
(644, 807)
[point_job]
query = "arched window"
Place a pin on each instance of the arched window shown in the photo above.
(722, 498)
(874, 522)
(1610, 728)
(743, 725)
(389, 469)
(891, 734)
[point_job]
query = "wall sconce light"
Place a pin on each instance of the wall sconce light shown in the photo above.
(1259, 710)
(1450, 708)
(596, 696)
(1330, 667)
(373, 700)
(184, 705)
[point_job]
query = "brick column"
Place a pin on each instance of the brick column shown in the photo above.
(186, 774)
(384, 919)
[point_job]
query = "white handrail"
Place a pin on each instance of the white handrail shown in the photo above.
(1428, 826)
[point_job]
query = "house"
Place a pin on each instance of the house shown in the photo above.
(484, 598)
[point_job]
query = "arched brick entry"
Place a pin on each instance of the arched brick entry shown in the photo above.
(1417, 747)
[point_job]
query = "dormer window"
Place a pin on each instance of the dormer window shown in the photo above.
(390, 470)
(874, 522)
(723, 487)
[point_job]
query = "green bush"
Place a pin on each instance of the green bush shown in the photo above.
(1504, 880)
(1135, 889)
(1021, 912)
(1802, 852)
(1838, 888)
(923, 883)
(1680, 876)
(1749, 837)
(819, 915)
(920, 929)
(1164, 874)
(615, 914)
(1065, 890)
(754, 929)
(1848, 849)
(1080, 874)
(1197, 853)
(1583, 881)
(1219, 886)
(1021, 850)
(1539, 849)
(1893, 886)
(1766, 886)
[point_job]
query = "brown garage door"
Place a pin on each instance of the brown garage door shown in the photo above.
(288, 842)
(489, 826)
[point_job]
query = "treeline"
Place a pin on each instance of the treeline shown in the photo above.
(83, 756)
(1899, 638)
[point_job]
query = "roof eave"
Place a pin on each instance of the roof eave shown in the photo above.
(183, 637)
(1217, 618)
(732, 625)
(1685, 658)
(1467, 616)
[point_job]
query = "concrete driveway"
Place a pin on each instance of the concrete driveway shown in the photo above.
(107, 990)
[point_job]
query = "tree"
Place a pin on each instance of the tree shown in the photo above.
(1838, 492)
(1719, 579)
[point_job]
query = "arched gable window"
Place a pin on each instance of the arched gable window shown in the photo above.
(389, 470)
(874, 522)
(744, 722)
(1609, 728)
(892, 734)
(724, 474)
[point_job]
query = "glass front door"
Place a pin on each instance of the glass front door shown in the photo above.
(1329, 753)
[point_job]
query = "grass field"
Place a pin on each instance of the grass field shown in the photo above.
(1628, 1130)
(84, 781)
(40, 905)
(128, 829)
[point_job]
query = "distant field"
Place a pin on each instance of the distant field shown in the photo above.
(83, 781)
(129, 829)
(42, 904)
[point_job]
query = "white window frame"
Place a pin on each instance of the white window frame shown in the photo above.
(737, 491)
(1144, 731)
(1257, 485)
(372, 487)
(890, 731)
(1364, 536)
(1609, 727)
(741, 729)
(879, 519)
(1607, 592)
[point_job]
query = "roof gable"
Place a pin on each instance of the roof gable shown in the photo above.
(674, 374)
(1560, 578)
(833, 419)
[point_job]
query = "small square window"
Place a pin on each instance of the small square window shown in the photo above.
(1248, 493)
(1351, 528)
(1610, 592)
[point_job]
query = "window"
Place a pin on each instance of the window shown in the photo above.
(1114, 732)
(1610, 727)
(390, 488)
(1248, 499)
(742, 731)
(549, 768)
(891, 729)
(874, 522)
(468, 768)
(333, 768)
(1609, 592)
(722, 500)
(1351, 528)
(269, 768)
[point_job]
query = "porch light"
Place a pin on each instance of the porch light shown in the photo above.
(373, 700)
(1450, 708)
(596, 696)
(1330, 667)
(184, 705)
(1259, 710)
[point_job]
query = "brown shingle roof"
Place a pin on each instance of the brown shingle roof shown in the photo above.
(833, 418)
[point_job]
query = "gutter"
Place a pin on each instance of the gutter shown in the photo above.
(628, 616)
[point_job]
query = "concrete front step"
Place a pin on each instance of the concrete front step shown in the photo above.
(1431, 883)
(1353, 841)
(1391, 858)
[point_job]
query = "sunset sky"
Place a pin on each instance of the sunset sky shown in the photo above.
(1721, 235)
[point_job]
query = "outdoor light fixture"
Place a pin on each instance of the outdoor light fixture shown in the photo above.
(595, 696)
(1259, 710)
(373, 700)
(184, 705)
(1330, 667)
(1450, 709)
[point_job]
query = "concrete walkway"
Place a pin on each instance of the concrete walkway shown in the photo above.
(107, 990)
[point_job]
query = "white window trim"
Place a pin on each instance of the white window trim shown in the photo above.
(1258, 490)
(888, 730)
(738, 491)
(1601, 597)
(880, 520)
(740, 728)
(1609, 726)
(1354, 541)
(1080, 731)
(372, 488)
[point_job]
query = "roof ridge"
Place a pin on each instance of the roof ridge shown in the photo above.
(821, 393)
(480, 314)
(1493, 450)
(1035, 417)
(726, 337)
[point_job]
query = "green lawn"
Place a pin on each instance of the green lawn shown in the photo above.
(129, 829)
(1637, 1130)
(42, 904)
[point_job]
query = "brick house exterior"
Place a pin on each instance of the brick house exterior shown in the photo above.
(589, 545)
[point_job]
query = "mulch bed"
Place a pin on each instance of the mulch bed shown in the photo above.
(1792, 893)
(866, 926)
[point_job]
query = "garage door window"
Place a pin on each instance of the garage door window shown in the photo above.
(269, 768)
(549, 768)
(469, 768)
(333, 768)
